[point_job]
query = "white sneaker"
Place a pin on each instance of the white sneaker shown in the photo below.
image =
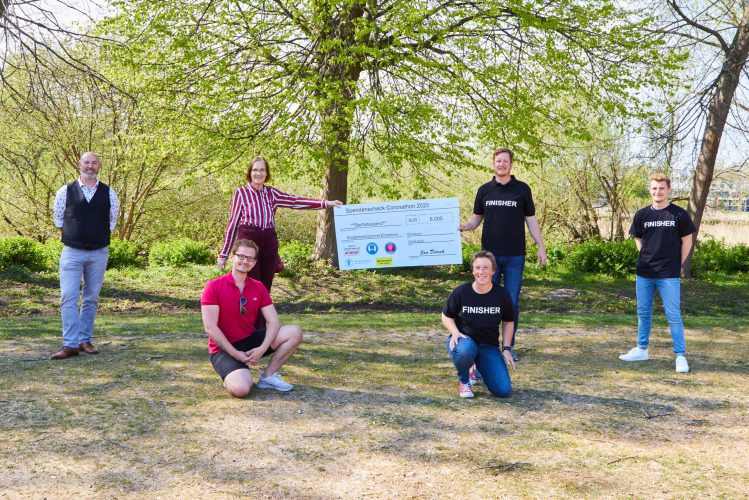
(681, 364)
(273, 382)
(636, 354)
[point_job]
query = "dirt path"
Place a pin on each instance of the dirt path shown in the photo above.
(375, 414)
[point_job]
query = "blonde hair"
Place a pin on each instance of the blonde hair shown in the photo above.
(661, 177)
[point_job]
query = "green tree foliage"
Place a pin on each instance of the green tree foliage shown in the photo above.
(296, 257)
(33, 36)
(716, 33)
(390, 86)
(52, 249)
(149, 156)
(590, 190)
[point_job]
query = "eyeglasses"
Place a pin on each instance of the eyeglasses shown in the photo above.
(248, 258)
(242, 308)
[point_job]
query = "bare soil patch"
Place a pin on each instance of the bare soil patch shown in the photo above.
(375, 413)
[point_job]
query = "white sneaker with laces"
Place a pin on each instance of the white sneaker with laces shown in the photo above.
(273, 382)
(681, 364)
(635, 354)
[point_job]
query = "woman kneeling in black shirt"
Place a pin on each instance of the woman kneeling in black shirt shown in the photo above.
(472, 315)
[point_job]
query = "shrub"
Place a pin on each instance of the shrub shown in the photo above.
(295, 256)
(179, 253)
(22, 251)
(122, 254)
(554, 254)
(712, 255)
(468, 250)
(52, 249)
(738, 257)
(595, 256)
(708, 256)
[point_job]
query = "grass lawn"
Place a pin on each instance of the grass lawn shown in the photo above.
(545, 290)
(375, 412)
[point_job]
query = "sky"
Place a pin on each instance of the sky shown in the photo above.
(70, 12)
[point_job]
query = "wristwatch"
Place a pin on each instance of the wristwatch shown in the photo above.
(506, 347)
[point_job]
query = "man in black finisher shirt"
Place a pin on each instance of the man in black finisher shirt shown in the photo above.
(505, 205)
(663, 235)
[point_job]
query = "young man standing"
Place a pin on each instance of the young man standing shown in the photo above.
(505, 205)
(663, 235)
(229, 305)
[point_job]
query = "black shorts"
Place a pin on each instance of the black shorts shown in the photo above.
(224, 364)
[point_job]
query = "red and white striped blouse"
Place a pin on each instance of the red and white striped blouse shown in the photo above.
(257, 207)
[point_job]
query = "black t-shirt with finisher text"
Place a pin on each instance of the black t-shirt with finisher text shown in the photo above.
(661, 231)
(504, 208)
(478, 315)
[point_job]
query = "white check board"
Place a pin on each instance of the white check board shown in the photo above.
(398, 234)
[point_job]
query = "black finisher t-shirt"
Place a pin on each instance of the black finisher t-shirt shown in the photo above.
(504, 208)
(478, 315)
(661, 232)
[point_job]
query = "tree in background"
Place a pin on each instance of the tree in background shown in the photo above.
(147, 156)
(717, 33)
(34, 36)
(588, 192)
(390, 86)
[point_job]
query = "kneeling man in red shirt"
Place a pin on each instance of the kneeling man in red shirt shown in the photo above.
(230, 304)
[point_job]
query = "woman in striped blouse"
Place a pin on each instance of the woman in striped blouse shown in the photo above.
(252, 218)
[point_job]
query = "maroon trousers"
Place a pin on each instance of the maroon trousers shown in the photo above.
(265, 265)
(267, 241)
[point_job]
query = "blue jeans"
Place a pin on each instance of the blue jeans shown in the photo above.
(78, 325)
(488, 361)
(511, 266)
(670, 291)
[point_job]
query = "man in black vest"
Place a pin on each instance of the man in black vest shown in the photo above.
(86, 211)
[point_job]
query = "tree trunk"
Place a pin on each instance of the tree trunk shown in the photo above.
(582, 191)
(717, 113)
(336, 130)
(335, 188)
(338, 92)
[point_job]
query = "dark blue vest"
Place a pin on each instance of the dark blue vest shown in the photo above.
(86, 223)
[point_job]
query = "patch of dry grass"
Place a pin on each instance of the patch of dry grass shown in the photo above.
(376, 414)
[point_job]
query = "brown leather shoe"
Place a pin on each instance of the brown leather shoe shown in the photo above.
(64, 353)
(88, 347)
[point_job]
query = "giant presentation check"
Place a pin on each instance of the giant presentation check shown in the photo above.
(398, 233)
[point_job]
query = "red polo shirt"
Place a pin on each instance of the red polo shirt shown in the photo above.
(224, 293)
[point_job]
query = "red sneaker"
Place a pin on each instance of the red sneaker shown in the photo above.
(465, 391)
